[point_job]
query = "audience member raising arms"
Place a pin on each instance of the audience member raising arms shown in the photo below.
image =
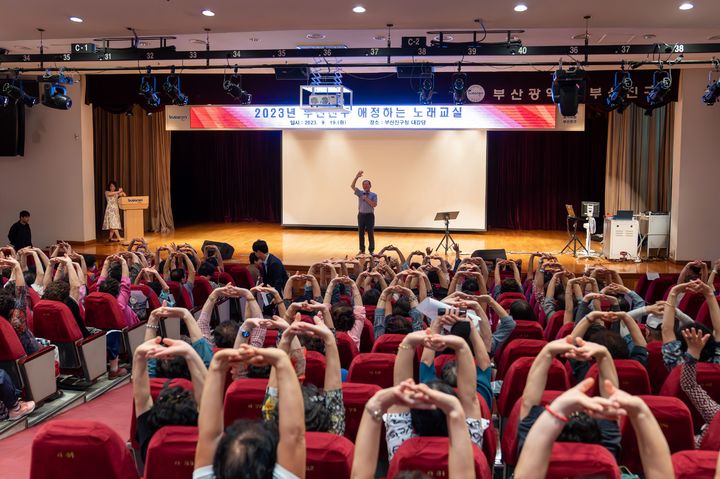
(705, 405)
(251, 449)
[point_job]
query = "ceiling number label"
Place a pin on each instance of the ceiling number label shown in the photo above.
(236, 53)
(679, 48)
(472, 51)
(374, 51)
(150, 55)
(422, 51)
(625, 49)
(66, 57)
(522, 50)
(574, 50)
(281, 53)
(26, 58)
(192, 55)
(326, 52)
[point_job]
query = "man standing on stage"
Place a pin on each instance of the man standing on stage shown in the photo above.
(367, 201)
(19, 234)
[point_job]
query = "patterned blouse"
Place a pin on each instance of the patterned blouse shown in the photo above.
(702, 401)
(333, 400)
(398, 429)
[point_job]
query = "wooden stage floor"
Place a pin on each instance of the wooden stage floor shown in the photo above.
(302, 247)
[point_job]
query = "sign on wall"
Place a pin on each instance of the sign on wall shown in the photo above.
(365, 117)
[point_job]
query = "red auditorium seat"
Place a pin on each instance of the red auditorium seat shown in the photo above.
(102, 311)
(703, 315)
(674, 420)
(523, 330)
(632, 377)
(508, 442)
(656, 367)
(429, 455)
(516, 376)
(156, 385)
(346, 349)
(708, 377)
(328, 455)
(271, 336)
(658, 287)
(222, 278)
(642, 285)
(590, 460)
(315, 369)
(711, 440)
(34, 373)
(370, 312)
(553, 325)
(565, 330)
(33, 297)
(367, 337)
(355, 396)
(201, 290)
(85, 357)
(441, 361)
(691, 303)
(372, 368)
(153, 300)
(490, 438)
(241, 276)
(694, 464)
(171, 453)
(67, 449)
(244, 400)
(511, 295)
(387, 343)
(519, 348)
(181, 295)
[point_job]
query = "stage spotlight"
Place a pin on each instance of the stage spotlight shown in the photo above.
(568, 88)
(712, 92)
(172, 89)
(459, 86)
(233, 87)
(56, 97)
(662, 82)
(618, 97)
(148, 90)
(59, 78)
(426, 91)
(17, 94)
(4, 101)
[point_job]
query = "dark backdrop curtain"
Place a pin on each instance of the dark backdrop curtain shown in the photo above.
(226, 176)
(533, 174)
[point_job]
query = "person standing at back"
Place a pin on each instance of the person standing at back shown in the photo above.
(20, 235)
(367, 201)
(271, 269)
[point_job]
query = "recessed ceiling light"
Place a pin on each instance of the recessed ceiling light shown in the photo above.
(379, 37)
(254, 39)
(446, 38)
(359, 9)
(714, 37)
(649, 36)
(143, 44)
(197, 41)
(520, 7)
(315, 36)
(686, 6)
(76, 19)
(208, 13)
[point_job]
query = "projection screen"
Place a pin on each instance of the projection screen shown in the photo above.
(414, 173)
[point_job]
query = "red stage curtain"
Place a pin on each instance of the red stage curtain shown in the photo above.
(226, 176)
(533, 174)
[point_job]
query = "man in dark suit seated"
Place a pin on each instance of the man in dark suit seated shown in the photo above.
(272, 270)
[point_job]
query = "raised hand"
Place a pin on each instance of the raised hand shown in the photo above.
(695, 340)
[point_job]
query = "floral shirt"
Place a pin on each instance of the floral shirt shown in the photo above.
(674, 356)
(398, 429)
(333, 403)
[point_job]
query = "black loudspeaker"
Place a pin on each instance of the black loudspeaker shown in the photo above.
(226, 250)
(490, 255)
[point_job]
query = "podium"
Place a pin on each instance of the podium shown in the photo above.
(133, 207)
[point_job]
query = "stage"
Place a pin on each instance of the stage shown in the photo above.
(299, 248)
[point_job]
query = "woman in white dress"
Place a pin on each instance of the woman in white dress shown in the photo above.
(111, 221)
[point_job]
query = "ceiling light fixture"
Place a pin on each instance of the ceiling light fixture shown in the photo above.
(172, 89)
(379, 38)
(568, 89)
(208, 13)
(618, 97)
(686, 6)
(359, 9)
(76, 19)
(662, 82)
(315, 36)
(712, 92)
(148, 90)
(520, 7)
